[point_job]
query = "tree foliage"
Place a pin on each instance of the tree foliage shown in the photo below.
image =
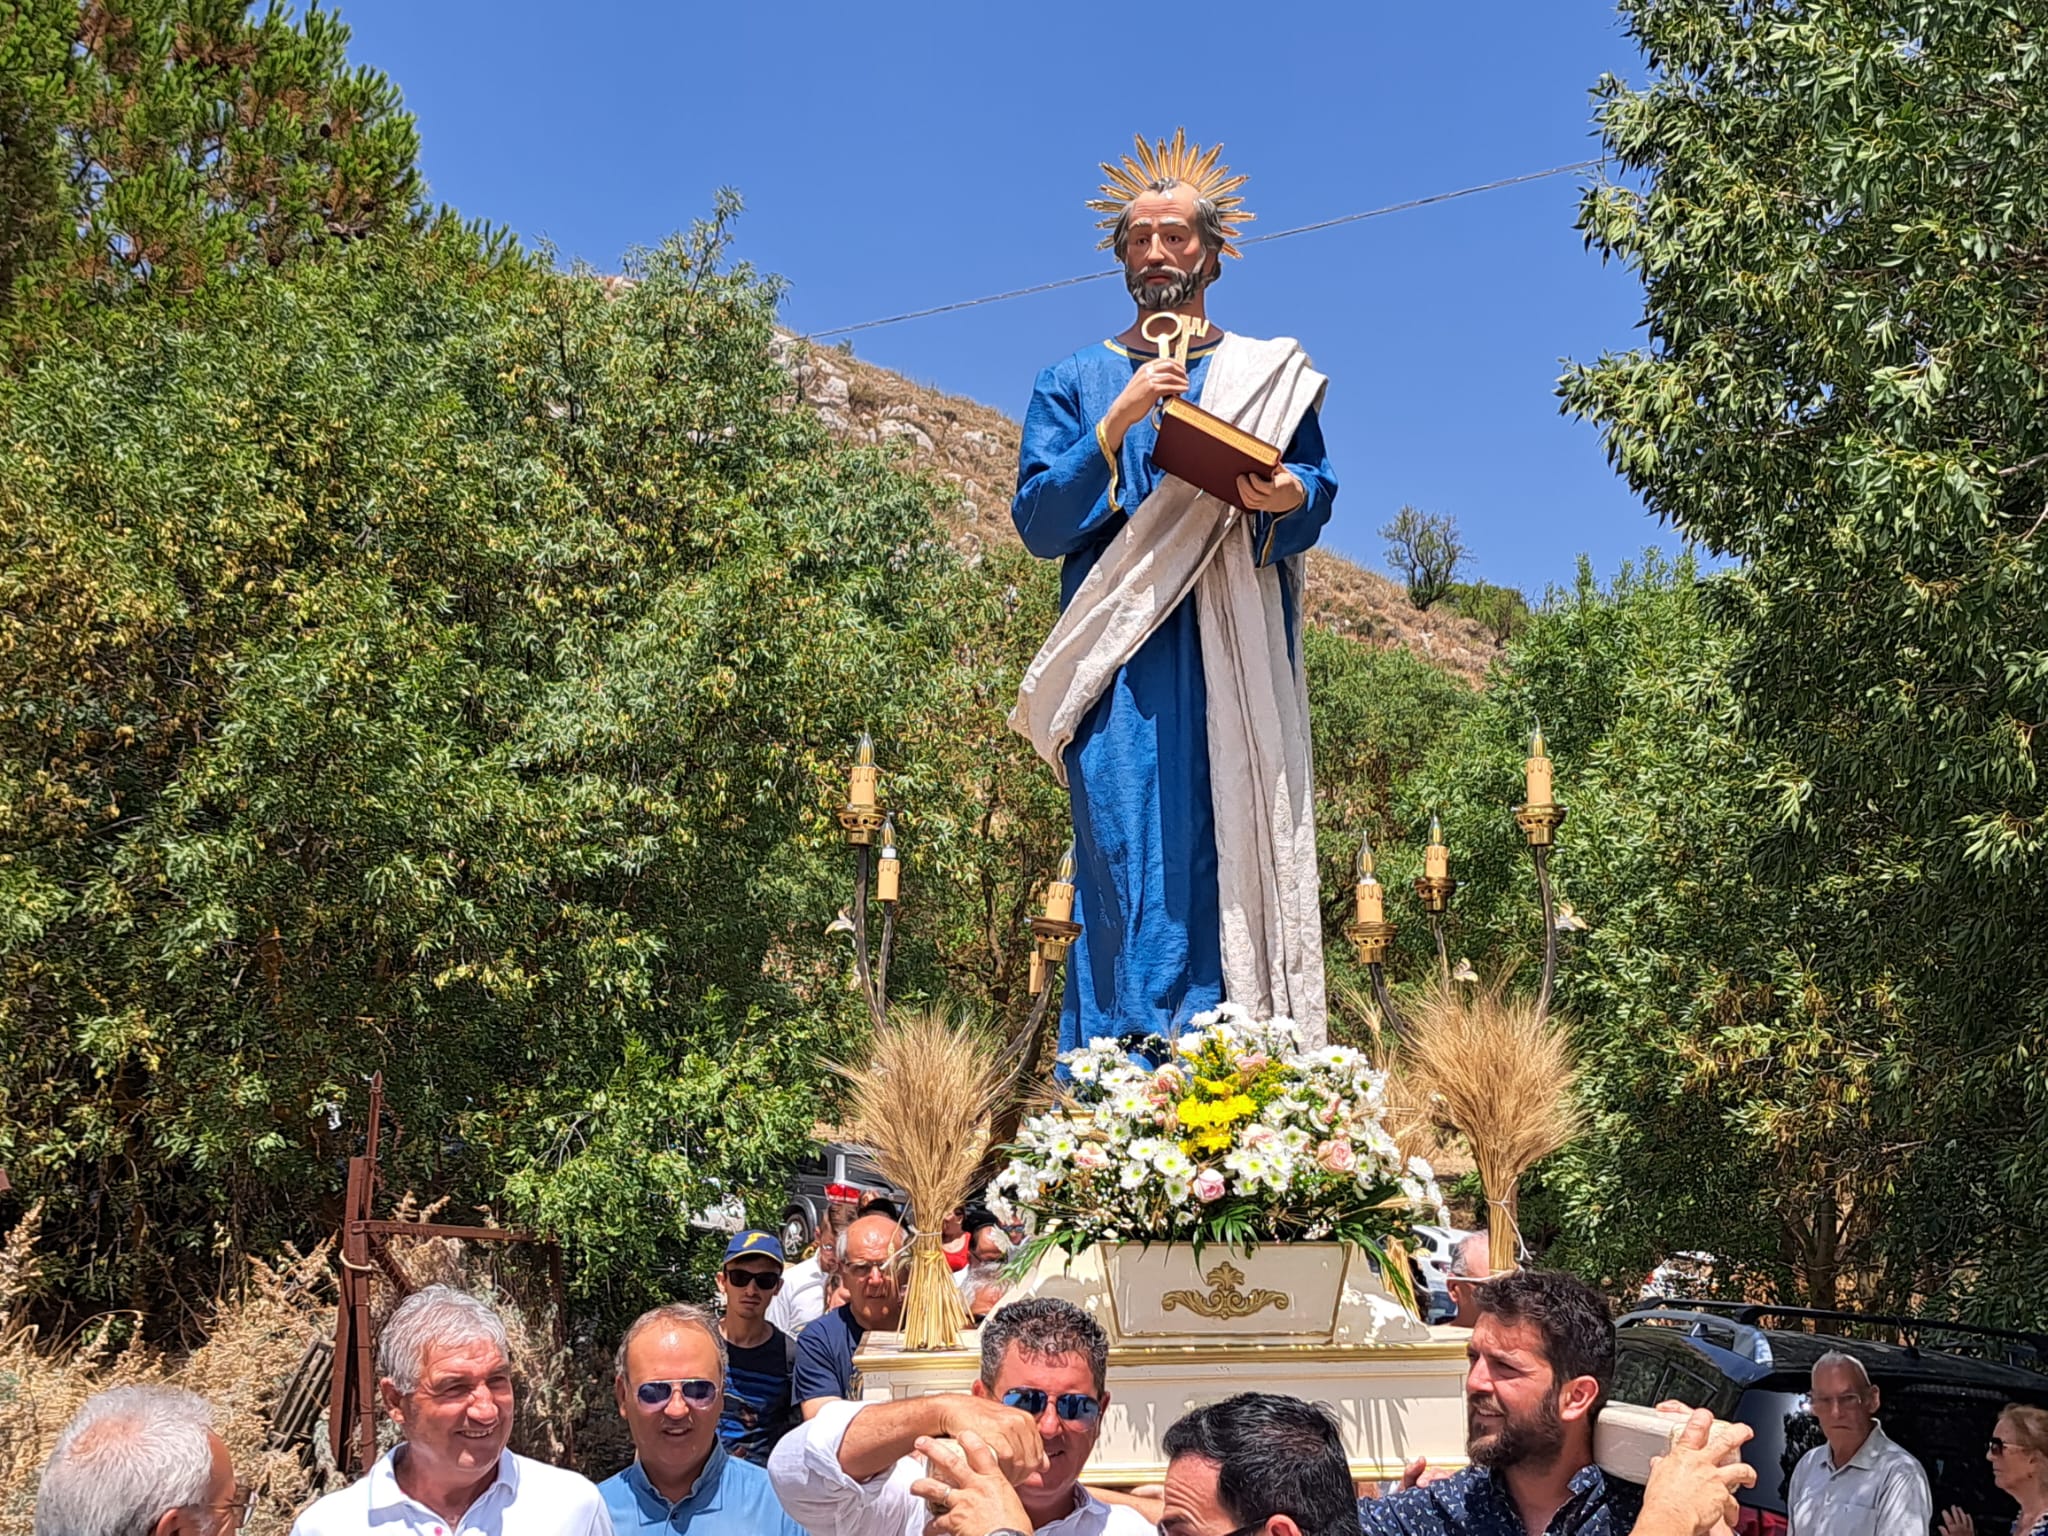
(163, 141)
(1744, 1099)
(1837, 213)
(432, 662)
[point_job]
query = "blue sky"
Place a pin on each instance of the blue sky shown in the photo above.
(899, 155)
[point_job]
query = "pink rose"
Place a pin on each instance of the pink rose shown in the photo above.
(1208, 1185)
(1253, 1064)
(1091, 1157)
(1337, 1156)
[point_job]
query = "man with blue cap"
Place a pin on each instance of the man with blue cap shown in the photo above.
(759, 1356)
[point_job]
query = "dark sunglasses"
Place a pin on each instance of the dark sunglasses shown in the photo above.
(1996, 1446)
(695, 1389)
(1074, 1407)
(759, 1279)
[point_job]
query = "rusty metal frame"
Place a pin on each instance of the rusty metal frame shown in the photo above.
(365, 1250)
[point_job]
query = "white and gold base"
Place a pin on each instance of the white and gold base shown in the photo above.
(1307, 1319)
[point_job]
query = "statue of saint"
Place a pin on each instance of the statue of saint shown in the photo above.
(1169, 696)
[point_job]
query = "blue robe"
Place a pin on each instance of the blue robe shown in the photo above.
(1149, 955)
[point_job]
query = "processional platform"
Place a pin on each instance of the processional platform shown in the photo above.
(1311, 1320)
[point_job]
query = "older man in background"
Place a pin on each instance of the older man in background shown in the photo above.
(1860, 1483)
(1471, 1267)
(871, 1252)
(140, 1461)
(445, 1376)
(668, 1379)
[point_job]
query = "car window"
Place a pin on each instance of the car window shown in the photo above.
(1947, 1425)
(1638, 1372)
(1785, 1430)
(1696, 1384)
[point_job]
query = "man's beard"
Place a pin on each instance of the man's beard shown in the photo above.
(1181, 287)
(1534, 1438)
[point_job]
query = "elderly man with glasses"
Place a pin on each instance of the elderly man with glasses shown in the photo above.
(445, 1376)
(669, 1381)
(140, 1461)
(1037, 1408)
(1860, 1482)
(871, 1255)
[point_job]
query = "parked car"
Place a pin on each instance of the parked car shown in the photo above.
(1431, 1253)
(1942, 1387)
(823, 1163)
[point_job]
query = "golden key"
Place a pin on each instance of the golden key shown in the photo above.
(1174, 334)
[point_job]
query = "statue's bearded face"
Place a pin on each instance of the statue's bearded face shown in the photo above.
(1165, 263)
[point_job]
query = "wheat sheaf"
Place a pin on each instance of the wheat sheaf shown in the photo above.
(921, 1104)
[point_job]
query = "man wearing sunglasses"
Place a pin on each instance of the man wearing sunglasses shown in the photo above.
(1038, 1407)
(759, 1356)
(668, 1379)
(140, 1461)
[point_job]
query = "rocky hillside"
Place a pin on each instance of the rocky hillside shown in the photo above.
(975, 448)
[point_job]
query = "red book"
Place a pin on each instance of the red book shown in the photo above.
(1208, 452)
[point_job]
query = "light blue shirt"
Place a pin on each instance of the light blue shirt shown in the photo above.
(730, 1498)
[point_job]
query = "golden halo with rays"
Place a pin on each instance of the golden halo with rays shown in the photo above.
(1178, 161)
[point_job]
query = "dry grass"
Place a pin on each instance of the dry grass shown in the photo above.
(922, 1103)
(256, 1340)
(1501, 1077)
(254, 1344)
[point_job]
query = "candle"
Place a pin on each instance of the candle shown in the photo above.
(1371, 900)
(1538, 771)
(1059, 896)
(860, 790)
(1436, 858)
(889, 871)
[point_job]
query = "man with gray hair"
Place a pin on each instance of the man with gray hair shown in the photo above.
(1860, 1483)
(445, 1376)
(1037, 1407)
(140, 1461)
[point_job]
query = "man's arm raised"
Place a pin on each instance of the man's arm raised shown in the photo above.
(881, 1434)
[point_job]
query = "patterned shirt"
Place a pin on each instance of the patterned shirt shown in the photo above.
(1476, 1502)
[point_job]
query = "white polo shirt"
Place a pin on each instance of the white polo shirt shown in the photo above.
(1881, 1492)
(529, 1498)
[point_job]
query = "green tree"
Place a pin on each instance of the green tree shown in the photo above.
(1502, 611)
(1425, 549)
(1835, 212)
(423, 660)
(159, 142)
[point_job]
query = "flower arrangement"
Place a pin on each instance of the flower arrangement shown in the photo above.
(1230, 1134)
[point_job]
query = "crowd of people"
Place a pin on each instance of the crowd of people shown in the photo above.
(737, 1428)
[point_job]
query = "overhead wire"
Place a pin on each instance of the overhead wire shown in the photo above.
(1278, 234)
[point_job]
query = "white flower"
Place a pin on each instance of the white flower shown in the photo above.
(1091, 1156)
(1060, 1146)
(1174, 1165)
(1134, 1174)
(1418, 1168)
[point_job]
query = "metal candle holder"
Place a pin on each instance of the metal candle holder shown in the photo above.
(862, 823)
(1372, 941)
